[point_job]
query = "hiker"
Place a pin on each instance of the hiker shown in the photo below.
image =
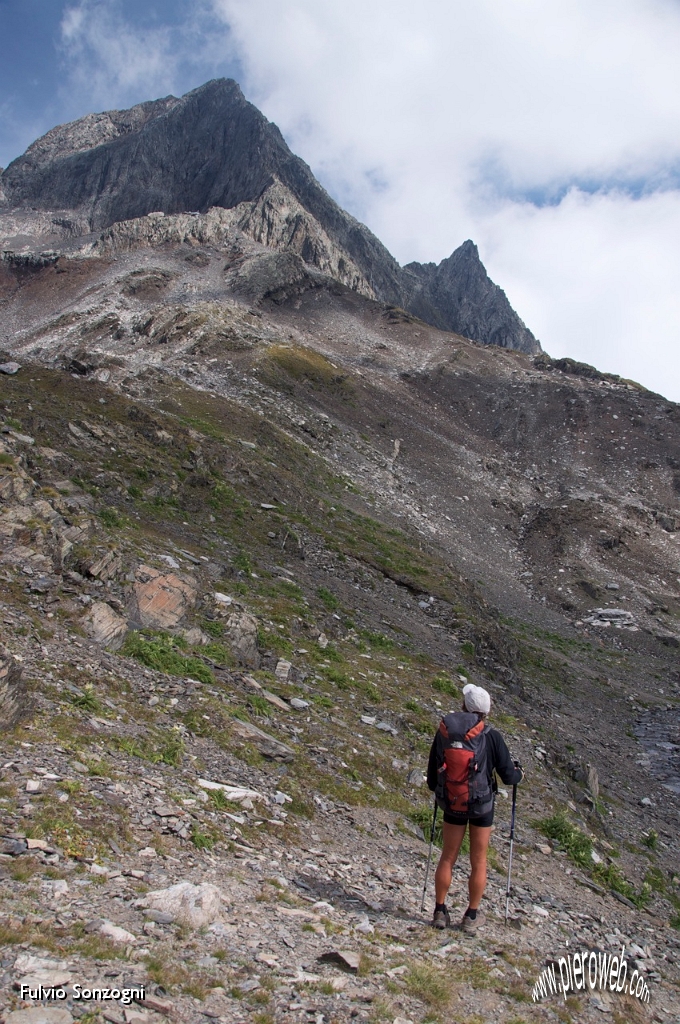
(465, 753)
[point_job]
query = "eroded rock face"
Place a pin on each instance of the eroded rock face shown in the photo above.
(161, 600)
(12, 690)
(104, 625)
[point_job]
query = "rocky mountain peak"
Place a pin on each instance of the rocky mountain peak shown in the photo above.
(213, 149)
(459, 293)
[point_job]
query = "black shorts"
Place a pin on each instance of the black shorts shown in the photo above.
(484, 821)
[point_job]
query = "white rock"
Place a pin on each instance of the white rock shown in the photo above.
(237, 794)
(364, 926)
(37, 844)
(540, 911)
(282, 671)
(191, 905)
(33, 785)
(298, 703)
(222, 598)
(112, 931)
(48, 979)
(39, 1015)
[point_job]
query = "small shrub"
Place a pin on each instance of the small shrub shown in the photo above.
(650, 839)
(201, 840)
(171, 749)
(444, 685)
(322, 701)
(242, 562)
(613, 878)
(260, 705)
(423, 817)
(110, 518)
(87, 700)
(378, 640)
(573, 841)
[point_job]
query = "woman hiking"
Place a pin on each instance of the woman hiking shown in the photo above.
(465, 753)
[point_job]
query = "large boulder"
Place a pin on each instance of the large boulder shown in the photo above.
(161, 600)
(193, 906)
(104, 625)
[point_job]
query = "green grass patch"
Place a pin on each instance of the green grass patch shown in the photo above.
(165, 747)
(572, 840)
(377, 640)
(111, 518)
(613, 878)
(430, 984)
(164, 653)
(442, 684)
(329, 599)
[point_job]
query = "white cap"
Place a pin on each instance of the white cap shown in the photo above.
(476, 699)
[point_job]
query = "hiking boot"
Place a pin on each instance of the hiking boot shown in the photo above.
(441, 919)
(469, 926)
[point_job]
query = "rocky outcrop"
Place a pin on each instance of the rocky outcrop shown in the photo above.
(459, 295)
(214, 163)
(104, 625)
(241, 632)
(161, 601)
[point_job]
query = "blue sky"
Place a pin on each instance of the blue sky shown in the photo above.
(548, 133)
(41, 71)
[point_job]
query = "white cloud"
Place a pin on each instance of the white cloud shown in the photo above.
(111, 62)
(442, 120)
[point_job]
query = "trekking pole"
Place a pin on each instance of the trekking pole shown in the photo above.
(429, 856)
(512, 839)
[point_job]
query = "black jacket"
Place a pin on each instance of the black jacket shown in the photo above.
(498, 759)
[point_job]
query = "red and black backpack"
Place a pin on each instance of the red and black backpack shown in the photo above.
(463, 783)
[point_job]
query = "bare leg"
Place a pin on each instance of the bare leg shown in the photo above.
(479, 845)
(453, 838)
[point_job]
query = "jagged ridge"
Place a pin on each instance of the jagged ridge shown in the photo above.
(212, 148)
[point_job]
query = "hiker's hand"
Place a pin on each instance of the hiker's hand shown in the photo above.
(519, 768)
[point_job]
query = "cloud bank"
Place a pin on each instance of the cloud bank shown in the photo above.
(546, 132)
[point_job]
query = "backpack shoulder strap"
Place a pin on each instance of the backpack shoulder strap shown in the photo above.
(476, 730)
